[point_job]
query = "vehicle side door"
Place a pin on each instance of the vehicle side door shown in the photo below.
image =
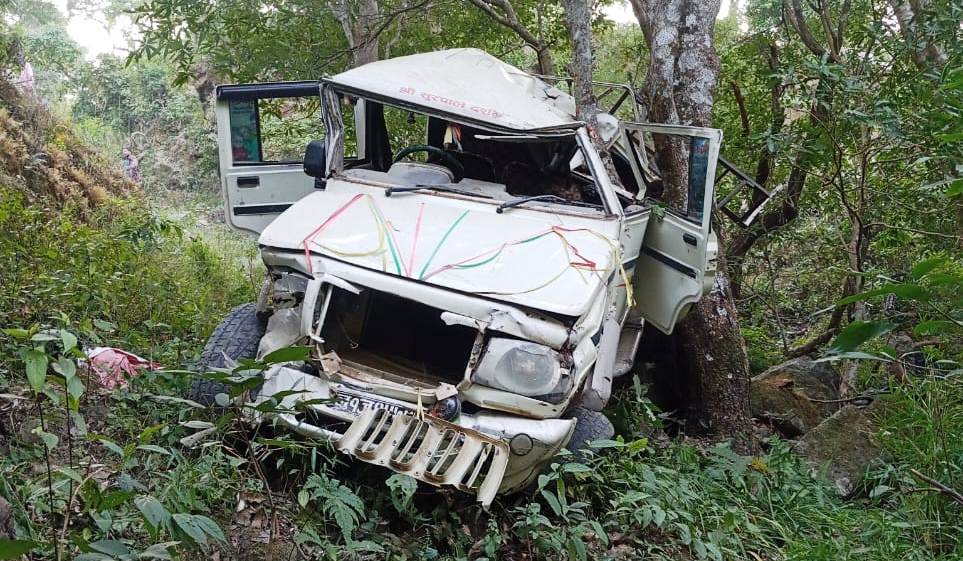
(262, 130)
(676, 264)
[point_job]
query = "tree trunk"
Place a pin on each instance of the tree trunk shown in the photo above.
(546, 64)
(357, 19)
(578, 21)
(679, 88)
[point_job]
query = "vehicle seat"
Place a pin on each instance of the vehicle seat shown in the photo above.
(417, 173)
(476, 166)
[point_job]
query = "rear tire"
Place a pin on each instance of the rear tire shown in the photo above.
(236, 337)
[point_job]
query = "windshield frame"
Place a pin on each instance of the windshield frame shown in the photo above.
(334, 133)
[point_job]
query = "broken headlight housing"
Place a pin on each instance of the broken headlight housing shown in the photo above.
(522, 367)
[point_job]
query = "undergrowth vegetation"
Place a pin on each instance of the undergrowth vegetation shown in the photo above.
(118, 275)
(138, 472)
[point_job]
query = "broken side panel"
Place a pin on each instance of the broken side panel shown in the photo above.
(677, 261)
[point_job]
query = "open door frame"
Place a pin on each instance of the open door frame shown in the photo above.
(677, 262)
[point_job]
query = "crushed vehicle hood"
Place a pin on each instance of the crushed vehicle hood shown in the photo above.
(537, 260)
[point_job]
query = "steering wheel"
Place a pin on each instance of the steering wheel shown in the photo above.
(450, 161)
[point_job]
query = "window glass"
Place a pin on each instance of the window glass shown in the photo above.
(406, 128)
(287, 126)
(245, 134)
(678, 169)
(277, 130)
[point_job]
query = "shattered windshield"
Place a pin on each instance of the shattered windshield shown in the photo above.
(424, 150)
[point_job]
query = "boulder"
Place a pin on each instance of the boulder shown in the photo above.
(844, 445)
(6, 520)
(784, 395)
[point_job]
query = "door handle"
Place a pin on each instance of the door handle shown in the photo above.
(248, 181)
(690, 239)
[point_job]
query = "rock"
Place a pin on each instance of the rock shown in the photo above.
(783, 395)
(6, 520)
(844, 445)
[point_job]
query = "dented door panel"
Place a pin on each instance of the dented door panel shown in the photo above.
(676, 262)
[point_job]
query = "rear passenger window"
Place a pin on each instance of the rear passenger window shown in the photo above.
(277, 130)
(245, 132)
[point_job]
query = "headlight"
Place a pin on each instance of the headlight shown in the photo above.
(521, 367)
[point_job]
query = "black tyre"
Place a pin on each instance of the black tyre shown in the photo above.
(589, 425)
(236, 337)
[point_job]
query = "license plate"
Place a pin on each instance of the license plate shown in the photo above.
(354, 403)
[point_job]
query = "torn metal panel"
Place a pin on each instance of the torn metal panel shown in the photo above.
(429, 449)
(484, 453)
(549, 331)
(467, 83)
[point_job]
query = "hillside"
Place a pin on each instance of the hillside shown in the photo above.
(41, 156)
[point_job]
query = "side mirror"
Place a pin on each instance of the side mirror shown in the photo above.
(316, 159)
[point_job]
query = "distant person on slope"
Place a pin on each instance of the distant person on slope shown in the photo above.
(131, 166)
(25, 81)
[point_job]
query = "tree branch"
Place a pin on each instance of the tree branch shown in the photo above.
(741, 102)
(797, 19)
(943, 489)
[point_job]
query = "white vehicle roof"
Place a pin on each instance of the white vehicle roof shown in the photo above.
(468, 83)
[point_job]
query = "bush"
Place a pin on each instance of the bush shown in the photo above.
(121, 274)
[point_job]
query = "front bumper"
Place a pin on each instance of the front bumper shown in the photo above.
(472, 453)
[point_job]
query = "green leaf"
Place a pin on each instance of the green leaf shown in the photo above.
(955, 189)
(17, 333)
(50, 441)
(950, 137)
(153, 511)
(855, 355)
(65, 367)
(287, 354)
(113, 499)
(109, 444)
(13, 549)
(158, 551)
(68, 339)
(922, 268)
(43, 337)
(934, 327)
(191, 527)
(35, 360)
(638, 445)
(93, 557)
(210, 527)
(403, 488)
(104, 325)
(576, 548)
(75, 388)
(552, 501)
(603, 443)
(857, 333)
(113, 548)
(156, 449)
(879, 491)
(71, 473)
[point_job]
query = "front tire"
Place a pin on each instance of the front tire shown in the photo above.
(589, 425)
(236, 337)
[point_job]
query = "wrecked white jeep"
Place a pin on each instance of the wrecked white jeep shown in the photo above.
(468, 275)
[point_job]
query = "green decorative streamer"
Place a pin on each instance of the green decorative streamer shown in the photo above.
(441, 242)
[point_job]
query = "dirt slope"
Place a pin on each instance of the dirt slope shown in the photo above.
(40, 155)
